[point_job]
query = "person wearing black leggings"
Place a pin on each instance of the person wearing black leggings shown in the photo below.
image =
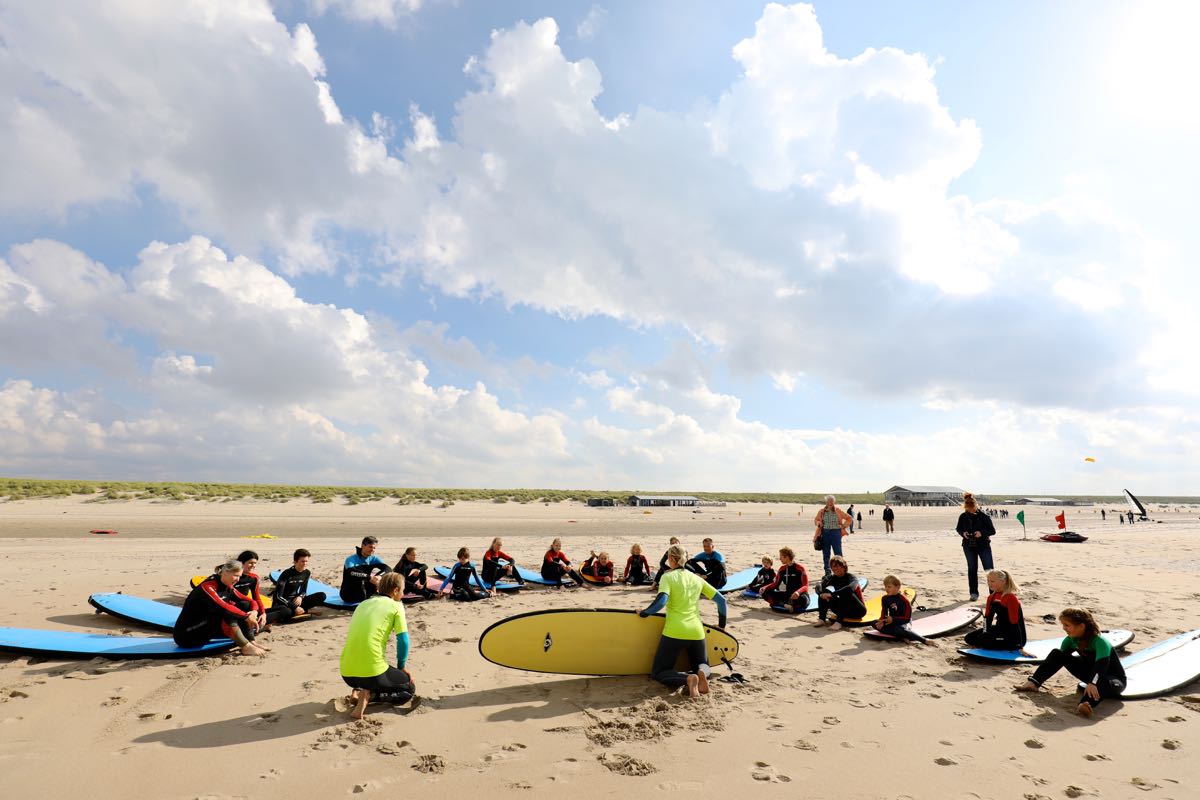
(839, 595)
(215, 609)
(789, 590)
(460, 579)
(976, 530)
(1097, 664)
(290, 599)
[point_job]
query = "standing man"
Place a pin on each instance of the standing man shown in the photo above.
(850, 511)
(889, 518)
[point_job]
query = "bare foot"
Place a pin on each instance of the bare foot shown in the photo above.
(360, 708)
(1085, 710)
(835, 626)
(702, 682)
(252, 649)
(1027, 686)
(820, 623)
(931, 643)
(693, 685)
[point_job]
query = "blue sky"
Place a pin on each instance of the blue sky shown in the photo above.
(734, 246)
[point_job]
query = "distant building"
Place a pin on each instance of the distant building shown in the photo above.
(1038, 501)
(662, 500)
(923, 495)
(601, 501)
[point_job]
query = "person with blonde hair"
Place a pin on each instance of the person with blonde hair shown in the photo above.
(1097, 665)
(556, 565)
(215, 608)
(683, 632)
(976, 530)
(637, 568)
(1003, 617)
(363, 662)
(895, 613)
(498, 564)
(832, 524)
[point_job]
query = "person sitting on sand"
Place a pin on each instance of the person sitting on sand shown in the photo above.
(248, 585)
(556, 565)
(600, 568)
(498, 564)
(216, 609)
(416, 575)
(637, 568)
(789, 590)
(464, 580)
(1097, 665)
(839, 595)
(709, 564)
(1003, 618)
(662, 562)
(763, 577)
(831, 524)
(683, 632)
(895, 615)
(290, 599)
(361, 572)
(363, 663)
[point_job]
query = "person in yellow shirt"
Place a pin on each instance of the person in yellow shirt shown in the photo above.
(679, 593)
(363, 663)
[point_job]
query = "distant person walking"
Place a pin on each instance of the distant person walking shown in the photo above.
(976, 530)
(831, 524)
(889, 518)
(850, 511)
(859, 518)
(1102, 515)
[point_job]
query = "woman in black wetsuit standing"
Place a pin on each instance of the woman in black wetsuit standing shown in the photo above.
(976, 530)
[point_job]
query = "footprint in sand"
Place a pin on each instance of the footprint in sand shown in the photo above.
(430, 764)
(1143, 784)
(1170, 744)
(762, 771)
(1096, 757)
(623, 764)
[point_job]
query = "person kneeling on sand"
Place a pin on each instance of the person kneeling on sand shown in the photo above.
(216, 609)
(839, 595)
(683, 632)
(1097, 665)
(363, 663)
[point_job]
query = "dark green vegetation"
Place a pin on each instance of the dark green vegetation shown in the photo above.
(23, 488)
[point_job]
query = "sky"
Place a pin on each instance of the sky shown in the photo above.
(679, 246)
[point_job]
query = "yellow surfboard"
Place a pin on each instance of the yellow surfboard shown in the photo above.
(601, 641)
(875, 607)
(199, 579)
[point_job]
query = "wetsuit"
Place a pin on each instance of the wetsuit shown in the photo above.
(493, 568)
(460, 578)
(356, 576)
(1003, 624)
(899, 609)
(847, 600)
(662, 567)
(214, 610)
(791, 578)
(765, 575)
(976, 550)
(637, 571)
(418, 584)
(1097, 663)
(292, 584)
(363, 664)
(683, 632)
(710, 566)
(556, 565)
(597, 570)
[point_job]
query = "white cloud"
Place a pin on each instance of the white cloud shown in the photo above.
(592, 23)
(387, 13)
(599, 379)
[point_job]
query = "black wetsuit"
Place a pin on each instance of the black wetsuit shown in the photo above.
(420, 583)
(212, 610)
(460, 583)
(899, 609)
(847, 600)
(556, 566)
(356, 576)
(789, 579)
(976, 549)
(595, 569)
(637, 571)
(765, 576)
(292, 584)
(662, 567)
(1003, 625)
(393, 686)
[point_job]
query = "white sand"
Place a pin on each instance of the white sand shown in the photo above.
(831, 713)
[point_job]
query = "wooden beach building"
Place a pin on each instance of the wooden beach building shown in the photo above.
(923, 495)
(662, 500)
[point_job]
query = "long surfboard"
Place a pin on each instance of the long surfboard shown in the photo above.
(739, 580)
(1039, 650)
(875, 608)
(1162, 667)
(152, 613)
(600, 641)
(72, 644)
(932, 625)
(530, 576)
(503, 586)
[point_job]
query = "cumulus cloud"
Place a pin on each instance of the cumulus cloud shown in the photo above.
(385, 12)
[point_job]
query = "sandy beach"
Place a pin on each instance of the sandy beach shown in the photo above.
(826, 712)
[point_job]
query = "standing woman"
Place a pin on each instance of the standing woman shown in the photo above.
(363, 663)
(679, 592)
(831, 524)
(976, 530)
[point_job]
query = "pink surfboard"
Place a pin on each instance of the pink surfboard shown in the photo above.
(932, 625)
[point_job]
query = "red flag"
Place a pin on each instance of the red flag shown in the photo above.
(1062, 521)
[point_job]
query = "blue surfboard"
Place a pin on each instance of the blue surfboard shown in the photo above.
(72, 644)
(160, 616)
(444, 572)
(333, 596)
(739, 580)
(1039, 650)
(530, 576)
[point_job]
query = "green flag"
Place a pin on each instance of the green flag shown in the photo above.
(1021, 518)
